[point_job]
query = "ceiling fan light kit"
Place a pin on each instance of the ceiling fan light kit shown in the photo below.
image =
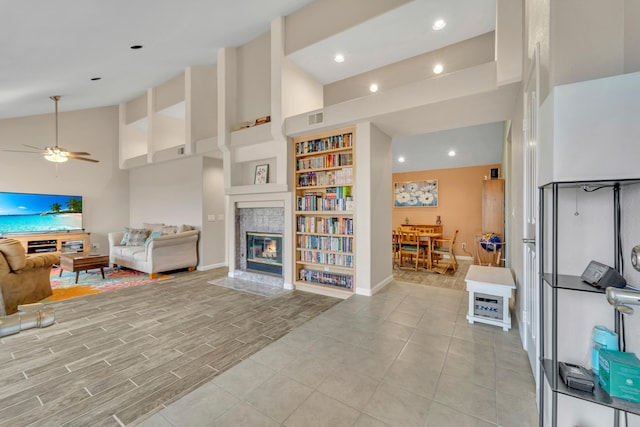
(55, 156)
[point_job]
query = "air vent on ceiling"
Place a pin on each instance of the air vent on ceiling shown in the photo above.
(316, 118)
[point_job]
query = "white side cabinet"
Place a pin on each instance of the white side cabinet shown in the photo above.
(490, 289)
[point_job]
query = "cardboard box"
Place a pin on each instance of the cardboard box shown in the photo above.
(619, 374)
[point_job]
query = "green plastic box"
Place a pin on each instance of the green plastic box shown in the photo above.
(619, 374)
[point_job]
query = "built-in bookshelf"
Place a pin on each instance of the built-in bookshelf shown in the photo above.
(324, 243)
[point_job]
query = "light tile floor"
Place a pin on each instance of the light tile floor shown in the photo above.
(404, 357)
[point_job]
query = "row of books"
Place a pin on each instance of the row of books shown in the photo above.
(340, 260)
(316, 202)
(334, 177)
(331, 143)
(324, 243)
(326, 161)
(323, 278)
(311, 224)
(333, 193)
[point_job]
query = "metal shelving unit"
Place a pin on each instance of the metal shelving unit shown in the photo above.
(548, 367)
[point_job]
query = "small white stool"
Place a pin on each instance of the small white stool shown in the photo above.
(489, 291)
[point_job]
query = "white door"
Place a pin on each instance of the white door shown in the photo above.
(530, 210)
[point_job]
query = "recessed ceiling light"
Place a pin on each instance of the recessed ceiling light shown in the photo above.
(93, 79)
(339, 58)
(438, 69)
(452, 153)
(373, 88)
(136, 46)
(439, 24)
(401, 159)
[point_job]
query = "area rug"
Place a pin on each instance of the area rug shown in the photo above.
(91, 282)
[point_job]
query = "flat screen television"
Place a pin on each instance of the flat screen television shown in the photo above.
(22, 213)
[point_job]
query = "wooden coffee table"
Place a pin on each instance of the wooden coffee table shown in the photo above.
(83, 261)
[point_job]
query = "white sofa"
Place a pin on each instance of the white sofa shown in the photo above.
(160, 254)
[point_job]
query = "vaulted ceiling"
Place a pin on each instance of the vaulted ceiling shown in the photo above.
(59, 47)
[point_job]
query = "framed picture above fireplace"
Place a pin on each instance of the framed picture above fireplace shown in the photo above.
(262, 174)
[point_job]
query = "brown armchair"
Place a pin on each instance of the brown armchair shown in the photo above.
(23, 280)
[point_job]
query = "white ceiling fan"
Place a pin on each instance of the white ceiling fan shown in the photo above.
(56, 153)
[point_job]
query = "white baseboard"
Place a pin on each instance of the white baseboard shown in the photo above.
(377, 288)
(210, 266)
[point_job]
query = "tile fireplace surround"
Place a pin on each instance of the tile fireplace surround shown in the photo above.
(259, 219)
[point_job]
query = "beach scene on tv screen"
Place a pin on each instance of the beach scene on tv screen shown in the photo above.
(30, 213)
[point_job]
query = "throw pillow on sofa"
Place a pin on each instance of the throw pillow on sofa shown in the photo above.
(134, 236)
(151, 236)
(182, 228)
(169, 229)
(153, 227)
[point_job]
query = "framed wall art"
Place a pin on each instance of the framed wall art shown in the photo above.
(415, 194)
(262, 174)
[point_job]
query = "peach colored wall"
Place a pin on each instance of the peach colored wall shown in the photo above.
(459, 202)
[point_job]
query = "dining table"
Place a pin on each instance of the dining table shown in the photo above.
(426, 237)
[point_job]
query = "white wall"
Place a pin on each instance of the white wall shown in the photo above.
(597, 120)
(581, 47)
(372, 211)
(254, 79)
(300, 91)
(103, 185)
(380, 186)
(212, 239)
(631, 35)
(169, 193)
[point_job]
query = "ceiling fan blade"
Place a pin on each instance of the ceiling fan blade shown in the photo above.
(77, 153)
(23, 151)
(35, 148)
(84, 158)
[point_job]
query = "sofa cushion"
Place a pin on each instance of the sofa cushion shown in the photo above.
(140, 256)
(13, 251)
(131, 251)
(137, 236)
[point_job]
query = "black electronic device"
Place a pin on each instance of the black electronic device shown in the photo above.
(575, 376)
(602, 276)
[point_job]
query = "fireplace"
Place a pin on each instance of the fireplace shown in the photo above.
(264, 252)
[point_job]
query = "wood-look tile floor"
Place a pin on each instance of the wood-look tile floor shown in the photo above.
(115, 358)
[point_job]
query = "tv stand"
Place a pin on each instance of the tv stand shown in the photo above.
(56, 243)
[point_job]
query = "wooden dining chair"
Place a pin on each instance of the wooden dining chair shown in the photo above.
(443, 254)
(425, 228)
(410, 245)
(395, 247)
